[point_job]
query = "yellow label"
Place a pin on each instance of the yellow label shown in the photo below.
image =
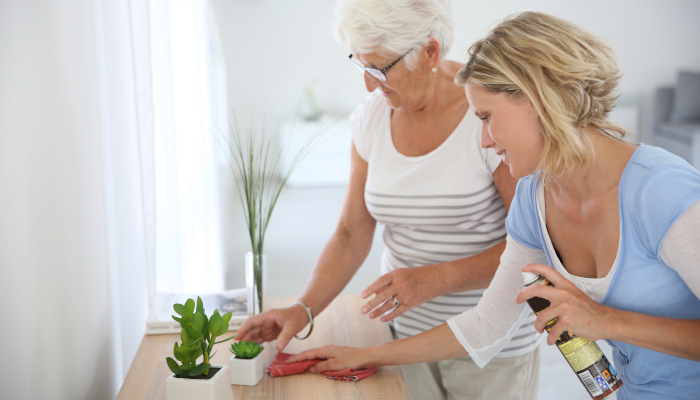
(580, 353)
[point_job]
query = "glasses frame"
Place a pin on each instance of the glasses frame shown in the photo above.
(378, 73)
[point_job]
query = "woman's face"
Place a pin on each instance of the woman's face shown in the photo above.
(510, 126)
(402, 88)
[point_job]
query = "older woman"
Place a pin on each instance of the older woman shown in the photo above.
(417, 168)
(612, 225)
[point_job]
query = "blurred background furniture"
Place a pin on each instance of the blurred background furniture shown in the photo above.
(677, 117)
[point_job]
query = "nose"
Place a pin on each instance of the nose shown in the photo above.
(486, 141)
(371, 83)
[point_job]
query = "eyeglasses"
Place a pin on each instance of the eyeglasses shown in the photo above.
(380, 74)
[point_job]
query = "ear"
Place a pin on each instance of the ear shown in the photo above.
(432, 49)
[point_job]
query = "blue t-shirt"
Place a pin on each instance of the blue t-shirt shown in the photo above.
(655, 189)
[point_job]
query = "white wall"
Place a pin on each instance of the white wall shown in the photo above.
(274, 49)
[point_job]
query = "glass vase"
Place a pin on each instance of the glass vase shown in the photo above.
(256, 282)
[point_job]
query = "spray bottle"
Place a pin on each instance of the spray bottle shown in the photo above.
(583, 355)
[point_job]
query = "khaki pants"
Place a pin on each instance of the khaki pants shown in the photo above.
(501, 379)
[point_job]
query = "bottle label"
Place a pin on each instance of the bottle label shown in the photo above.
(580, 353)
(600, 379)
(584, 356)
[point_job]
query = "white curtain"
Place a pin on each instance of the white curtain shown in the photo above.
(78, 194)
(189, 95)
(76, 200)
(126, 99)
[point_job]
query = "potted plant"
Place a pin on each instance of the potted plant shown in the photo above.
(248, 362)
(198, 334)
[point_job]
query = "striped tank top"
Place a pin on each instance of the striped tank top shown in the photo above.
(434, 208)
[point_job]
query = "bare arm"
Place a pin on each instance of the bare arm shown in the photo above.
(578, 313)
(415, 286)
(433, 345)
(347, 248)
(339, 260)
(484, 329)
(589, 319)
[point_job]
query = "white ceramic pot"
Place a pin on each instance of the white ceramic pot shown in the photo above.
(215, 388)
(249, 372)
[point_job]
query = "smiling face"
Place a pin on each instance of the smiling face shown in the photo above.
(510, 126)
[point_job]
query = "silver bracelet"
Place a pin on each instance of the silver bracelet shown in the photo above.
(311, 319)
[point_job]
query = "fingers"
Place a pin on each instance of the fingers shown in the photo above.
(377, 300)
(280, 324)
(324, 366)
(308, 355)
(285, 336)
(543, 291)
(380, 297)
(548, 272)
(383, 309)
(243, 331)
(381, 283)
(250, 330)
(556, 330)
(395, 313)
(573, 309)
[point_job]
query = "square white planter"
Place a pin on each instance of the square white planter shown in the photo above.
(248, 372)
(215, 388)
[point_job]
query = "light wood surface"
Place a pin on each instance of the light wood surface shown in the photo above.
(341, 324)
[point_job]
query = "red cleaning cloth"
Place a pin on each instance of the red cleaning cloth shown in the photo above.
(280, 368)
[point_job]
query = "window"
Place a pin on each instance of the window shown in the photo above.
(189, 105)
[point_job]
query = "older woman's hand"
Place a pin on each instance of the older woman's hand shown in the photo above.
(336, 358)
(279, 323)
(576, 312)
(408, 287)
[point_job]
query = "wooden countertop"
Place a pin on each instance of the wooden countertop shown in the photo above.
(341, 324)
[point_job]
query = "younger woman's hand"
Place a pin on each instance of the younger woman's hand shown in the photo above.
(336, 358)
(576, 312)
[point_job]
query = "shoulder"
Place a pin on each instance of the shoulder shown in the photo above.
(522, 222)
(655, 176)
(367, 117)
(656, 188)
(370, 108)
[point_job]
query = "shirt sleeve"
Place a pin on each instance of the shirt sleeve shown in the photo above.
(362, 120)
(680, 250)
(487, 328)
(357, 130)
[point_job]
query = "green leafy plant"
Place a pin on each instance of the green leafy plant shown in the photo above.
(198, 335)
(245, 349)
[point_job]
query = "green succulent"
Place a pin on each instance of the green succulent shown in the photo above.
(198, 335)
(245, 349)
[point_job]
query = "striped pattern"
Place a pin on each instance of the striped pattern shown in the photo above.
(438, 207)
(426, 230)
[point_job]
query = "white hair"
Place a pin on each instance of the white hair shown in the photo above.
(394, 27)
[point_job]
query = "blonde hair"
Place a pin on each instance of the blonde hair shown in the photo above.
(569, 75)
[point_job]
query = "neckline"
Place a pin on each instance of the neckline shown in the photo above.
(596, 287)
(438, 149)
